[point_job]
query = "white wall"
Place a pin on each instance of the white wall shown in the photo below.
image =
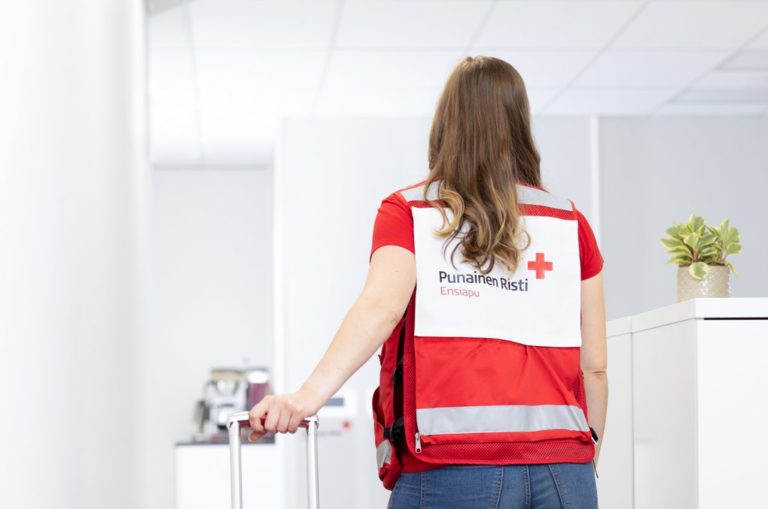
(331, 174)
(211, 302)
(657, 171)
(73, 185)
(566, 159)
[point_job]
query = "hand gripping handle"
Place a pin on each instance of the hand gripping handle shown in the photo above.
(238, 421)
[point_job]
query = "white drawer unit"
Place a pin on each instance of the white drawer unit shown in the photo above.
(203, 482)
(697, 386)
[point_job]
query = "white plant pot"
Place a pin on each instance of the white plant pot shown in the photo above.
(717, 283)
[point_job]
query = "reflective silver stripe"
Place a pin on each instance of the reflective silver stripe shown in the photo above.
(499, 419)
(526, 195)
(417, 193)
(532, 196)
(383, 453)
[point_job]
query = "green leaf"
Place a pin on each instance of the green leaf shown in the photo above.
(696, 223)
(698, 270)
(671, 243)
(729, 237)
(731, 266)
(710, 250)
(682, 251)
(698, 245)
(678, 230)
(708, 239)
(692, 239)
(680, 260)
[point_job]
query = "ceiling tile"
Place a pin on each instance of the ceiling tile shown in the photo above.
(760, 42)
(237, 137)
(262, 24)
(723, 78)
(174, 135)
(539, 97)
(157, 6)
(173, 122)
(723, 95)
(554, 24)
(391, 68)
(608, 101)
(172, 77)
(429, 24)
(277, 82)
(391, 101)
(711, 109)
(648, 69)
(722, 25)
(392, 82)
(377, 102)
(169, 29)
(747, 59)
(545, 69)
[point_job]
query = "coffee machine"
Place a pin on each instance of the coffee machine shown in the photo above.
(227, 391)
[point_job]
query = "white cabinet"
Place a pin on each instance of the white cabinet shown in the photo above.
(688, 386)
(203, 482)
(615, 482)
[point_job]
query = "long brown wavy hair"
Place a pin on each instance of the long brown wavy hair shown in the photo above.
(480, 146)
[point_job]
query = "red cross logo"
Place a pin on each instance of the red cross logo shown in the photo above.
(540, 266)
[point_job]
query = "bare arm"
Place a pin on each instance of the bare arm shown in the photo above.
(594, 353)
(385, 295)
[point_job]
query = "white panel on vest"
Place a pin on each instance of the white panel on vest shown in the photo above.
(539, 304)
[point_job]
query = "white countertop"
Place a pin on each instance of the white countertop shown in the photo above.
(728, 308)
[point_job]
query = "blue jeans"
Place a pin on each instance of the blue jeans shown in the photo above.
(550, 486)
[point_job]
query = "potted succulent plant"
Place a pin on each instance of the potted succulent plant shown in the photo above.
(700, 252)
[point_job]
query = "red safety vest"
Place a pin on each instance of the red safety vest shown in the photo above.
(485, 369)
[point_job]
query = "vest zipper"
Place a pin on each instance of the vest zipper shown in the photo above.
(418, 442)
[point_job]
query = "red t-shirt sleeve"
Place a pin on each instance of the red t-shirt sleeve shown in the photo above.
(394, 224)
(589, 252)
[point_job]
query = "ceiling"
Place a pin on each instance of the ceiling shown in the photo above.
(223, 72)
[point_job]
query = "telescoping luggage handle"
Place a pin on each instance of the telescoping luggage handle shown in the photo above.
(238, 421)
